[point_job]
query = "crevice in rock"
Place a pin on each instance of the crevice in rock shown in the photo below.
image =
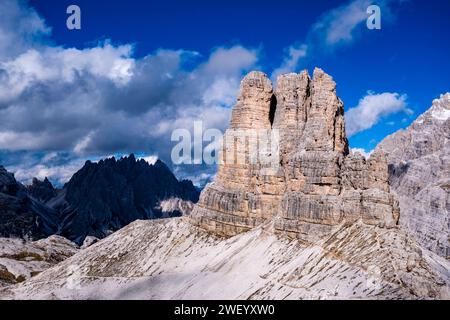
(273, 108)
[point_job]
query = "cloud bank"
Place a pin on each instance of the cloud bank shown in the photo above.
(336, 28)
(61, 106)
(102, 100)
(372, 108)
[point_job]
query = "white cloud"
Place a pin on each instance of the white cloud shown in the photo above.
(372, 108)
(228, 61)
(362, 151)
(200, 179)
(21, 28)
(291, 60)
(102, 100)
(58, 174)
(337, 27)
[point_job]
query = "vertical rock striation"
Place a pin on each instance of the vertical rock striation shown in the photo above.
(419, 163)
(315, 186)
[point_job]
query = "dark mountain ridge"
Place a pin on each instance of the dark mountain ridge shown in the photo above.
(99, 199)
(21, 215)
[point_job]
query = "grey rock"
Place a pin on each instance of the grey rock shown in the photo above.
(318, 184)
(42, 190)
(419, 167)
(106, 196)
(22, 215)
(89, 241)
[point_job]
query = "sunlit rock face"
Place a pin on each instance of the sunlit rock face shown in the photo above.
(312, 184)
(419, 163)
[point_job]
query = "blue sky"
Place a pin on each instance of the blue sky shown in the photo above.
(176, 60)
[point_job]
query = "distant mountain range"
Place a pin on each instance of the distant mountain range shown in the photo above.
(99, 199)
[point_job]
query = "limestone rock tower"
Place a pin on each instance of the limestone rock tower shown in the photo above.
(312, 184)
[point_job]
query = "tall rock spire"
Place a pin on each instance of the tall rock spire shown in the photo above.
(253, 103)
(314, 184)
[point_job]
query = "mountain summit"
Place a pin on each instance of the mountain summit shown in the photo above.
(21, 215)
(419, 163)
(99, 199)
(318, 184)
(106, 196)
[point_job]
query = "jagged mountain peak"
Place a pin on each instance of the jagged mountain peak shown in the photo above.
(21, 215)
(100, 198)
(42, 190)
(105, 196)
(419, 173)
(315, 184)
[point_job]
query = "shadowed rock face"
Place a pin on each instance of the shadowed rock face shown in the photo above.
(317, 184)
(22, 215)
(41, 190)
(419, 161)
(106, 196)
(99, 199)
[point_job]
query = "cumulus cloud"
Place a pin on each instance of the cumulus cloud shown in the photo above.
(339, 25)
(362, 151)
(372, 108)
(94, 109)
(335, 28)
(21, 28)
(58, 174)
(291, 59)
(149, 159)
(102, 100)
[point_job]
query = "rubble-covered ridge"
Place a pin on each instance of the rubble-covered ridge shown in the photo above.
(172, 259)
(317, 184)
(21, 259)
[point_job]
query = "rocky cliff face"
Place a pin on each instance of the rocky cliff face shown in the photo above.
(99, 199)
(22, 215)
(106, 196)
(419, 163)
(315, 186)
(42, 190)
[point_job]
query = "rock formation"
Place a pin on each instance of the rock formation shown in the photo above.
(315, 186)
(99, 199)
(20, 259)
(171, 259)
(318, 223)
(106, 196)
(419, 163)
(42, 190)
(20, 214)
